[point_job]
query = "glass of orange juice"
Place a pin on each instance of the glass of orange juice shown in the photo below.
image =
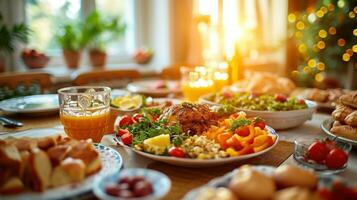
(85, 111)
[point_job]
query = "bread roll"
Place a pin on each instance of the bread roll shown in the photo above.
(25, 143)
(351, 119)
(248, 184)
(291, 176)
(13, 186)
(349, 99)
(46, 142)
(10, 158)
(345, 131)
(69, 171)
(40, 170)
(58, 153)
(295, 193)
(341, 112)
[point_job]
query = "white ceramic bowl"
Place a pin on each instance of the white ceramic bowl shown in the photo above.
(278, 119)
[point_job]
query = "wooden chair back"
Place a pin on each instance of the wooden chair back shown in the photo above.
(12, 80)
(111, 78)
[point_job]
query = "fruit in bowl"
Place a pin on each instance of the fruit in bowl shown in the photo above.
(322, 155)
(34, 59)
(143, 55)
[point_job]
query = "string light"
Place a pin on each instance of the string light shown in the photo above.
(346, 57)
(320, 13)
(351, 15)
(300, 25)
(341, 42)
(302, 48)
(311, 63)
(332, 30)
(321, 44)
(322, 33)
(291, 18)
(324, 9)
(354, 48)
(331, 7)
(307, 69)
(341, 3)
(311, 17)
(298, 34)
(355, 9)
(319, 77)
(321, 66)
(355, 32)
(349, 52)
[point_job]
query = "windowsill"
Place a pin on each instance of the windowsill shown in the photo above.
(62, 74)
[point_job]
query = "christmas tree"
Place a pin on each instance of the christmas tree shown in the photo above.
(326, 38)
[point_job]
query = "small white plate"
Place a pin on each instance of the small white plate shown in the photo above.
(278, 119)
(189, 162)
(34, 104)
(146, 87)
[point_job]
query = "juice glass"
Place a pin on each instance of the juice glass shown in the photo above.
(85, 111)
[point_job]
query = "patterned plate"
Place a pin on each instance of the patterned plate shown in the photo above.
(111, 163)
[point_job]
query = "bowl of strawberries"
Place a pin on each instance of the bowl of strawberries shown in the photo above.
(34, 59)
(324, 155)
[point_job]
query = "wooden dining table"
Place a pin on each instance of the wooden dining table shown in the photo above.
(185, 179)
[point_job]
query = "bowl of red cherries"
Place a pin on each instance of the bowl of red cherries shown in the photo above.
(132, 184)
(325, 156)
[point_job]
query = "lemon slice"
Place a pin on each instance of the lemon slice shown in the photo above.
(128, 102)
(138, 100)
(158, 144)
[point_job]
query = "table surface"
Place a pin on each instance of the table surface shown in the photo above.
(186, 179)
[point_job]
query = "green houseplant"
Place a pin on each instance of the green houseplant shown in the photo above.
(72, 44)
(97, 33)
(8, 38)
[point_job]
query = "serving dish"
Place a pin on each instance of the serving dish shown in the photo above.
(277, 119)
(148, 88)
(161, 184)
(223, 181)
(111, 162)
(34, 104)
(326, 126)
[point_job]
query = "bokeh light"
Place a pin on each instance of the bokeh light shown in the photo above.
(346, 57)
(321, 66)
(354, 48)
(351, 15)
(324, 9)
(321, 44)
(291, 18)
(302, 48)
(307, 69)
(341, 42)
(319, 77)
(350, 52)
(331, 7)
(322, 33)
(355, 32)
(300, 25)
(311, 63)
(332, 30)
(320, 13)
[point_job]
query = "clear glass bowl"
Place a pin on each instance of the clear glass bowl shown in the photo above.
(301, 148)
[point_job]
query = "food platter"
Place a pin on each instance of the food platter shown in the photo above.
(147, 87)
(326, 126)
(111, 162)
(277, 119)
(188, 162)
(35, 104)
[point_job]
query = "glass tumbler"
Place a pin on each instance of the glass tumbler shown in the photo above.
(85, 111)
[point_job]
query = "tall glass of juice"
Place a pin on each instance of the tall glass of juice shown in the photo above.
(85, 111)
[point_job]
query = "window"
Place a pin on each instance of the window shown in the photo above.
(46, 17)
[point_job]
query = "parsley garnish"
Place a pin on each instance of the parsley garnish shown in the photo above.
(239, 122)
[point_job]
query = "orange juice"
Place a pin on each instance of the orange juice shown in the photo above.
(193, 92)
(84, 127)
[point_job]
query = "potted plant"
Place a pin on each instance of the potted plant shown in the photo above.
(8, 38)
(97, 33)
(71, 42)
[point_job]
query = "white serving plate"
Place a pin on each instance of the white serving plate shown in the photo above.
(189, 162)
(111, 163)
(146, 87)
(326, 126)
(278, 119)
(34, 104)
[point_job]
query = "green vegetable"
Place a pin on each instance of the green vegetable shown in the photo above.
(226, 109)
(239, 122)
(151, 111)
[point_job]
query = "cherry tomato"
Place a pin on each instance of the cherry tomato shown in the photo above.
(330, 144)
(280, 98)
(122, 132)
(337, 158)
(260, 124)
(301, 101)
(137, 116)
(127, 138)
(326, 194)
(242, 131)
(176, 152)
(125, 121)
(227, 95)
(317, 152)
(112, 189)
